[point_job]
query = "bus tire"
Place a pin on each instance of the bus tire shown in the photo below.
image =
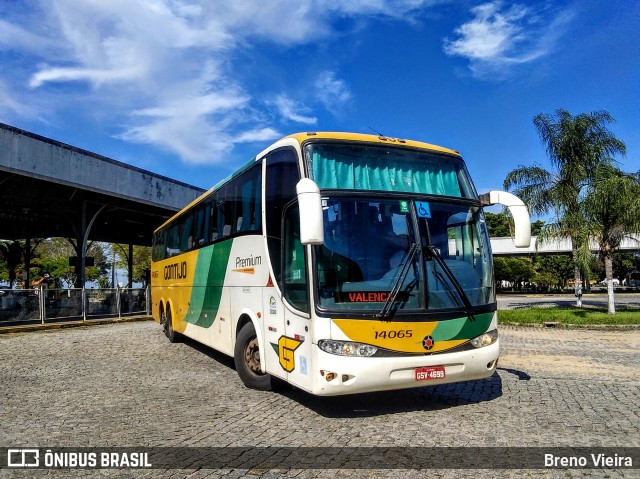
(247, 357)
(169, 332)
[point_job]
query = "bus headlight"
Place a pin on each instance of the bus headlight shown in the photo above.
(347, 348)
(485, 339)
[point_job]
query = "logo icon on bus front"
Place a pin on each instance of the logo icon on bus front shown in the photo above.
(285, 349)
(428, 342)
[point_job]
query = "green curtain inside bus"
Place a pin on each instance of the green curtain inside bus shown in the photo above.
(388, 174)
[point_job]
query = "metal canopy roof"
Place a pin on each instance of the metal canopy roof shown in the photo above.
(48, 188)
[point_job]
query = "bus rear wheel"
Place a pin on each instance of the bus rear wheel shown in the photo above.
(167, 326)
(247, 359)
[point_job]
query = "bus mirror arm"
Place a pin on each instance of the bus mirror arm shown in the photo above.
(518, 211)
(311, 217)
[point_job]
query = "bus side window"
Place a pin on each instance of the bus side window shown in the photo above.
(232, 222)
(282, 175)
(294, 259)
(186, 232)
(224, 214)
(159, 250)
(249, 200)
(173, 243)
(213, 220)
(255, 206)
(202, 225)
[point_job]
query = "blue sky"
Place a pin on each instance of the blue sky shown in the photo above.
(192, 89)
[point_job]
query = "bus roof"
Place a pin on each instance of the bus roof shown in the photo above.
(321, 135)
(360, 137)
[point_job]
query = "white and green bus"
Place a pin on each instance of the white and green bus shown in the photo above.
(340, 263)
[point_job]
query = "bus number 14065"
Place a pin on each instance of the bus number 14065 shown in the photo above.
(403, 333)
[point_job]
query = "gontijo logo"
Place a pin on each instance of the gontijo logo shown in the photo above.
(176, 271)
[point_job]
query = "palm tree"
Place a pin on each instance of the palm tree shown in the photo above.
(612, 211)
(576, 146)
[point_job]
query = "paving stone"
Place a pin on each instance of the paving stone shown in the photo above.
(124, 385)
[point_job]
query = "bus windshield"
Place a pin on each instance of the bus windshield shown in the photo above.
(418, 255)
(357, 166)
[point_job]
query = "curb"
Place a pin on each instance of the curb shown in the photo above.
(556, 325)
(27, 328)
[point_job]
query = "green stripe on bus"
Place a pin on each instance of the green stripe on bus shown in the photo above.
(471, 329)
(462, 328)
(211, 267)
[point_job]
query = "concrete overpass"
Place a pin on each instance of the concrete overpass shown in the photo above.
(51, 189)
(505, 247)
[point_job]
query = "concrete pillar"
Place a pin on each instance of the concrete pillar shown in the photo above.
(130, 266)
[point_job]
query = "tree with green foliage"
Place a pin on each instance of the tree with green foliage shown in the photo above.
(515, 270)
(4, 272)
(52, 259)
(553, 271)
(612, 212)
(625, 263)
(12, 253)
(576, 147)
(500, 225)
(141, 261)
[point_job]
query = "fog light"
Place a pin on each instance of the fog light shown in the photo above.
(330, 376)
(485, 339)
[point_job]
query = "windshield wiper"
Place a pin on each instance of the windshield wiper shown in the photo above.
(468, 308)
(395, 288)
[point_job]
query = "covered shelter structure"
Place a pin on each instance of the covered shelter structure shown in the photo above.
(51, 189)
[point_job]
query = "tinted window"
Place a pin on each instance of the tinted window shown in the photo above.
(281, 178)
(294, 261)
(235, 208)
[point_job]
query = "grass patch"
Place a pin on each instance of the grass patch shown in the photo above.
(624, 315)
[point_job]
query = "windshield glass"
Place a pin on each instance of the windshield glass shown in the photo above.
(349, 166)
(457, 243)
(369, 252)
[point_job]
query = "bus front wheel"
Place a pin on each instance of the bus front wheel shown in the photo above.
(247, 359)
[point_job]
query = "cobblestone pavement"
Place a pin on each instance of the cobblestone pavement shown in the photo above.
(126, 385)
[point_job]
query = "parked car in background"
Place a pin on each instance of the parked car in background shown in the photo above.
(633, 279)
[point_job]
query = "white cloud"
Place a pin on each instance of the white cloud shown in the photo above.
(333, 93)
(8, 102)
(12, 35)
(404, 10)
(162, 70)
(290, 110)
(498, 38)
(196, 126)
(259, 134)
(97, 77)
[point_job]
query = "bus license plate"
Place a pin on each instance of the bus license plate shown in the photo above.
(430, 372)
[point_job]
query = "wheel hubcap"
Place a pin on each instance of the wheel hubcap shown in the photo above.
(252, 356)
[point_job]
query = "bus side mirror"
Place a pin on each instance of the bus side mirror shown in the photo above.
(518, 211)
(310, 205)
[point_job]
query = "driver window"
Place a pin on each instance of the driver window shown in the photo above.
(294, 261)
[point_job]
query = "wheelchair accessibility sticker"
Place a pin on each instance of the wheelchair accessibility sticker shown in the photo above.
(423, 209)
